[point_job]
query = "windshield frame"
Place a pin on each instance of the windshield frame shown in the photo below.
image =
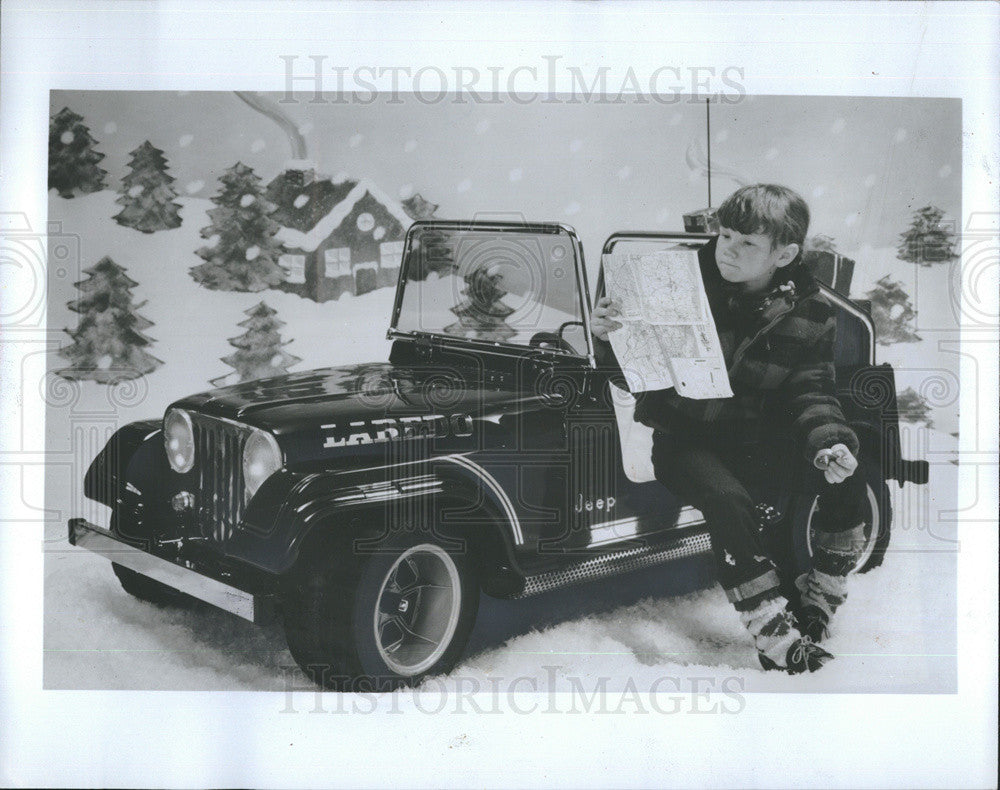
(557, 228)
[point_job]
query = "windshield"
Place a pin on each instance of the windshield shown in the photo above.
(503, 285)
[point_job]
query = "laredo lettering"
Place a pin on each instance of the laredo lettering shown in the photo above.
(397, 428)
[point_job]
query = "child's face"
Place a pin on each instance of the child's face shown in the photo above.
(750, 258)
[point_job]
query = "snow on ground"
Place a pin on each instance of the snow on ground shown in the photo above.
(897, 631)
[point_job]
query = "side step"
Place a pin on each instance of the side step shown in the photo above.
(613, 563)
(243, 604)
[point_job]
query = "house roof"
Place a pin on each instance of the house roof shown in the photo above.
(310, 240)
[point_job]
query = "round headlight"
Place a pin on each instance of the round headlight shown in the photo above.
(261, 459)
(178, 440)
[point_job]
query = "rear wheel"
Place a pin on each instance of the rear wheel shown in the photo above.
(878, 525)
(383, 618)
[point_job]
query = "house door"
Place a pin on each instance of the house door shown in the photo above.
(364, 281)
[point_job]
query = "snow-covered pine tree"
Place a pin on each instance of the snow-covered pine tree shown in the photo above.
(481, 314)
(259, 351)
(913, 407)
(928, 240)
(242, 254)
(435, 253)
(147, 193)
(892, 312)
(108, 343)
(72, 159)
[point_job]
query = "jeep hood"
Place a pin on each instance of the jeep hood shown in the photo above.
(302, 401)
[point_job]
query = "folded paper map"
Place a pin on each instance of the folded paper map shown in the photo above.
(668, 337)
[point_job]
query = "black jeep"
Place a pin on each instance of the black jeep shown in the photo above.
(370, 505)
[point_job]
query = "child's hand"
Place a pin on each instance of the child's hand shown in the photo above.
(601, 320)
(837, 463)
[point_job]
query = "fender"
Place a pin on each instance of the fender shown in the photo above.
(293, 506)
(127, 457)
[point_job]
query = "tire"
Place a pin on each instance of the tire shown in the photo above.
(368, 621)
(146, 589)
(877, 536)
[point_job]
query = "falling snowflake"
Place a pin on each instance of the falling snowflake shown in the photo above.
(405, 191)
(379, 233)
(572, 208)
(212, 240)
(110, 127)
(901, 135)
(66, 138)
(252, 252)
(464, 185)
(185, 140)
(135, 191)
(247, 200)
(624, 173)
(870, 180)
(410, 146)
(194, 186)
(483, 126)
(838, 126)
(575, 145)
(300, 201)
(258, 145)
(819, 191)
(516, 174)
(772, 153)
(306, 127)
(722, 135)
(355, 140)
(944, 172)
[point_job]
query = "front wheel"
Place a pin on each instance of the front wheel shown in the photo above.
(381, 618)
(878, 525)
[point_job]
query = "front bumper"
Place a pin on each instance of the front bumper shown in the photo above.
(254, 608)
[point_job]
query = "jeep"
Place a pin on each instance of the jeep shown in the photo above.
(369, 506)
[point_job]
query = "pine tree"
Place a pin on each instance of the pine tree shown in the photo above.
(108, 344)
(435, 253)
(72, 159)
(912, 405)
(259, 350)
(928, 240)
(892, 312)
(242, 254)
(481, 315)
(147, 193)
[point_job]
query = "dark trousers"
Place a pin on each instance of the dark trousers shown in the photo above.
(714, 475)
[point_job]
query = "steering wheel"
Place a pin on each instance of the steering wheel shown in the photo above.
(550, 340)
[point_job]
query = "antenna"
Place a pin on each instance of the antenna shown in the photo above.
(708, 145)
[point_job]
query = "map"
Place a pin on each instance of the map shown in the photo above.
(668, 336)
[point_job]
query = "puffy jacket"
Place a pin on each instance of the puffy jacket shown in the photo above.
(778, 346)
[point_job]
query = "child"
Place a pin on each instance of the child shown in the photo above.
(782, 424)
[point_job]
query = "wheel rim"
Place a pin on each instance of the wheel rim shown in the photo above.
(417, 610)
(874, 524)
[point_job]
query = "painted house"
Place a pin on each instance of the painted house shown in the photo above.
(354, 247)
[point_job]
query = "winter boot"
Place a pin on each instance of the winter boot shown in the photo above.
(824, 588)
(779, 643)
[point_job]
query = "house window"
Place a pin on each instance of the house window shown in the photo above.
(337, 262)
(391, 254)
(295, 268)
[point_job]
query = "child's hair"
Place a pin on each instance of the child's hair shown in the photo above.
(775, 210)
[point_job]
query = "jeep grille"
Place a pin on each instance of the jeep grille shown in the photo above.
(219, 461)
